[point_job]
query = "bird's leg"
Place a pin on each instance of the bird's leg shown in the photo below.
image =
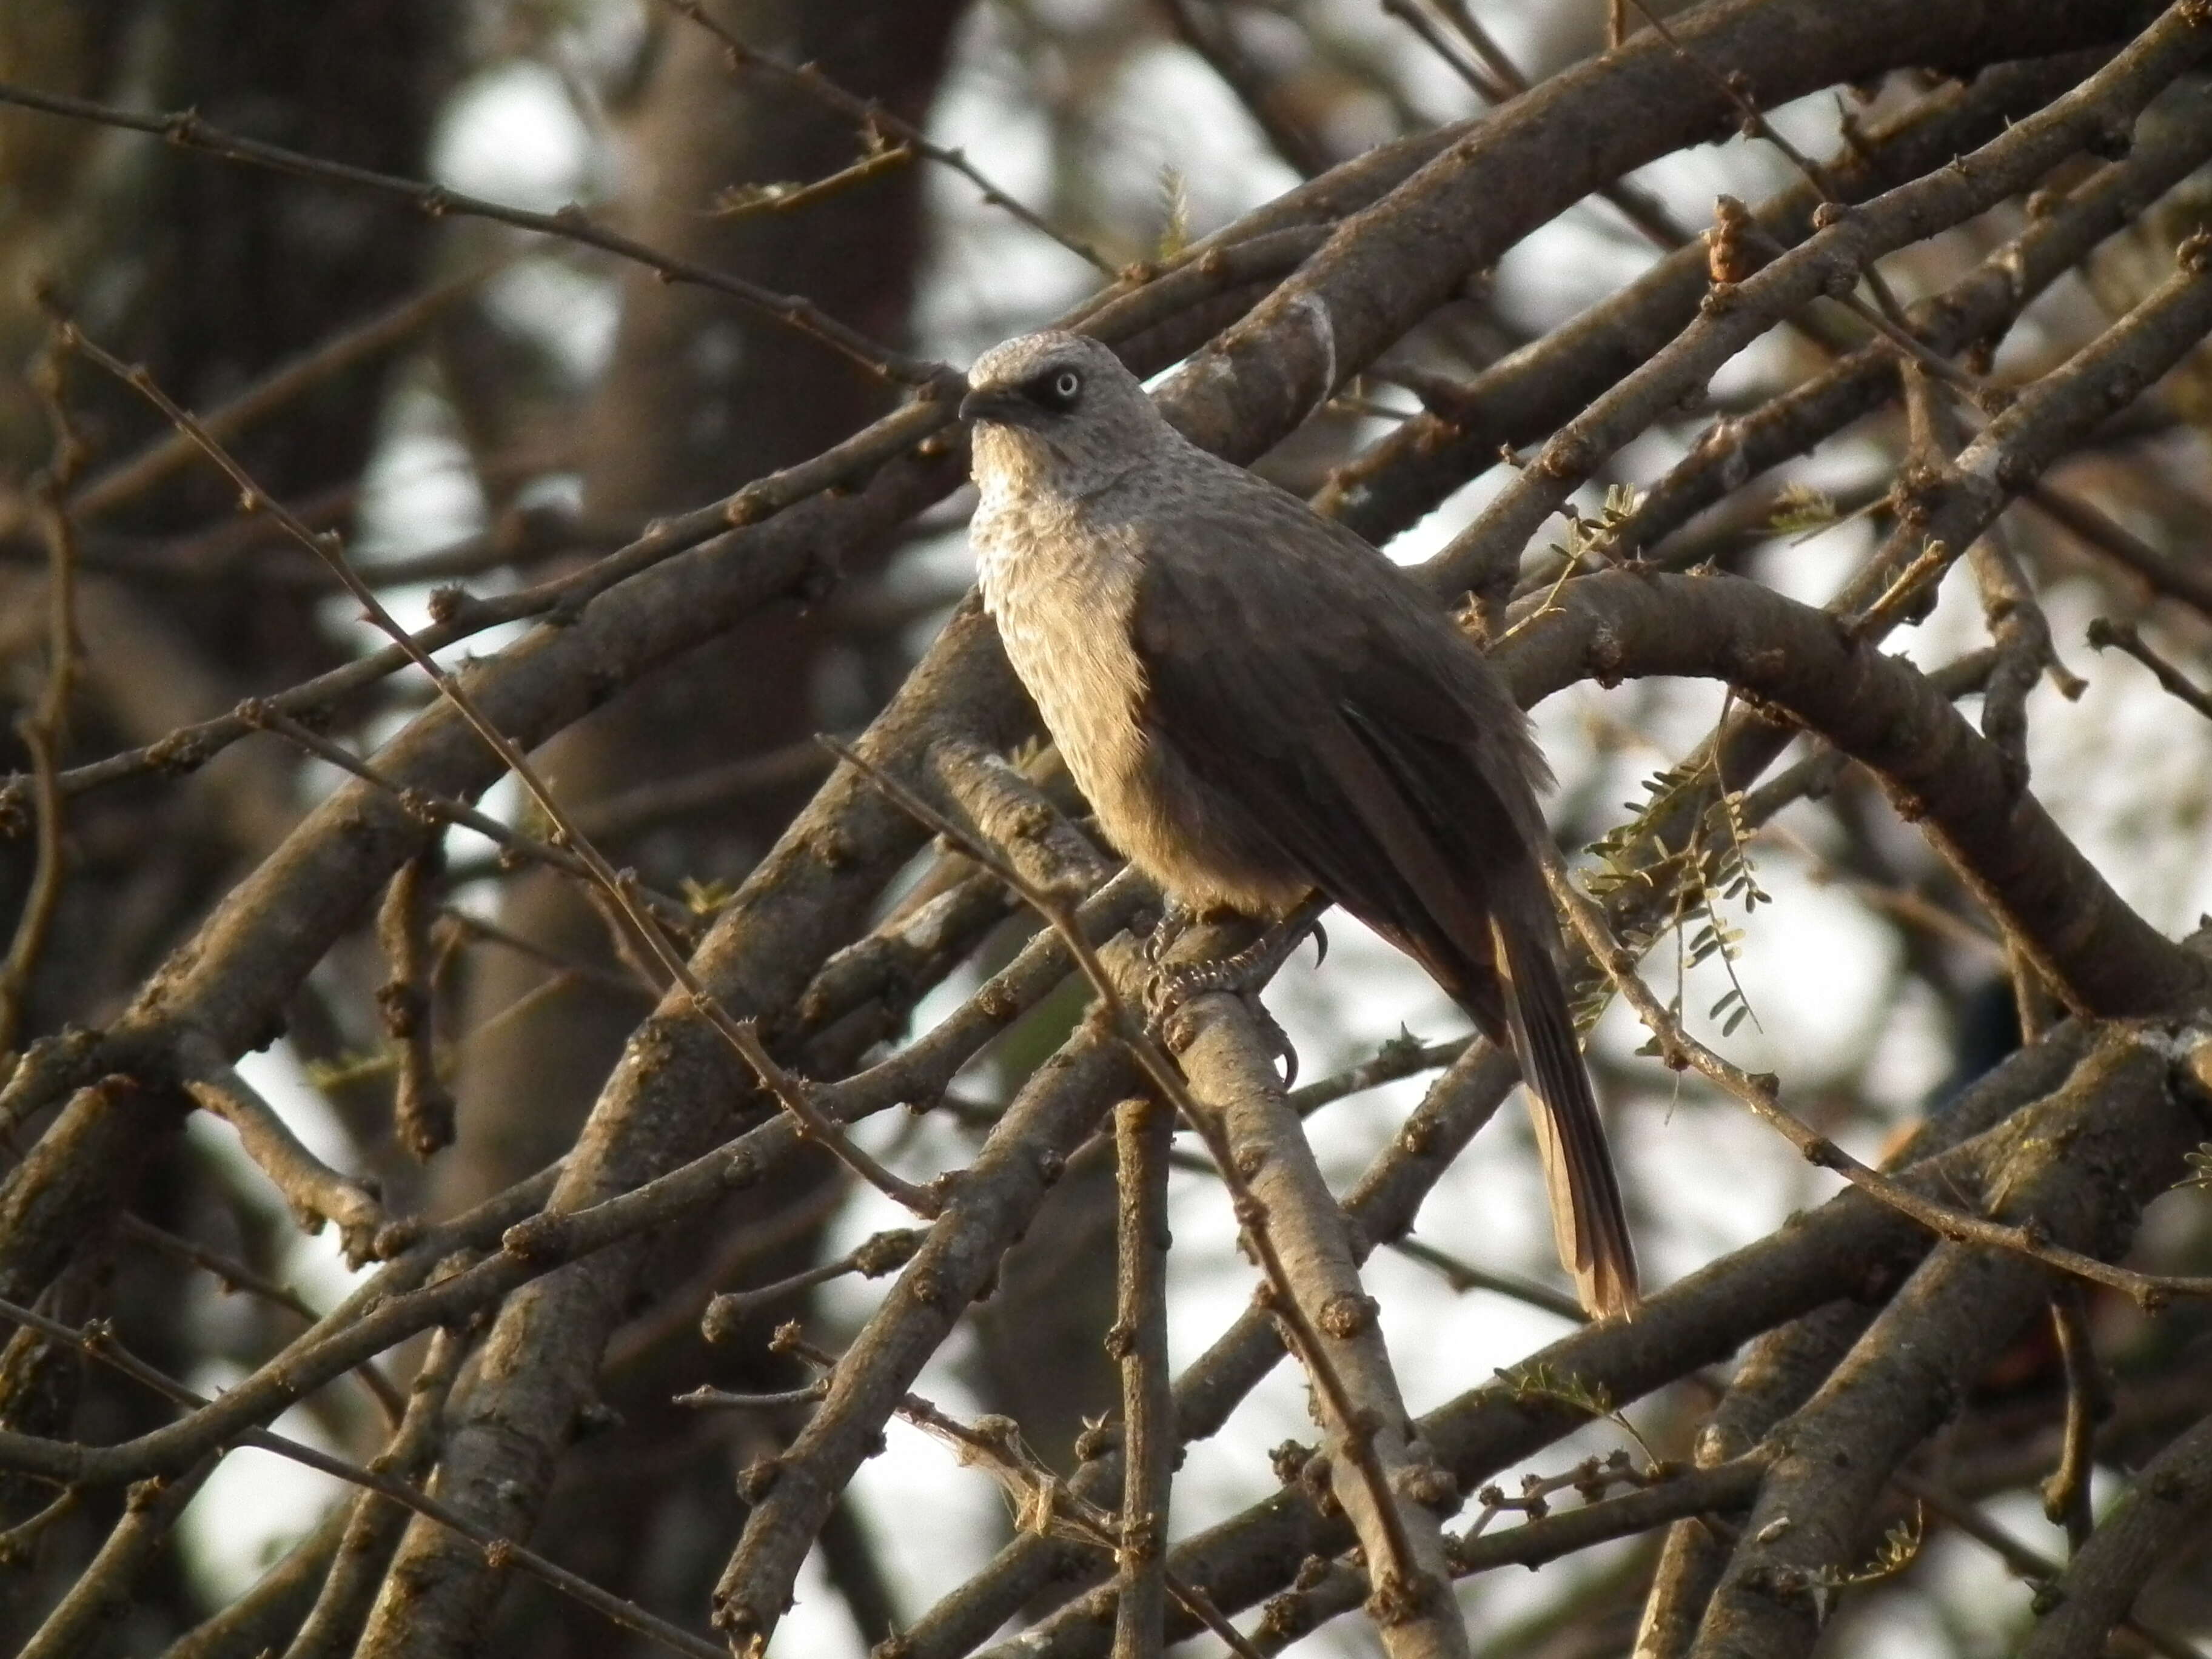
(1240, 974)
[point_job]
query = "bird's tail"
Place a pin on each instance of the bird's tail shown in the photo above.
(1588, 1219)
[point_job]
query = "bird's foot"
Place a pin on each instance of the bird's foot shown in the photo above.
(1176, 919)
(1239, 974)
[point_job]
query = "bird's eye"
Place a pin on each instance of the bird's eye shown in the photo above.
(1065, 385)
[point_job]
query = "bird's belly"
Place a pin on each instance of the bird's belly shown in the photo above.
(1198, 841)
(1072, 649)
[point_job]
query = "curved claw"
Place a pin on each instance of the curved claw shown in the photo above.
(1278, 1041)
(1321, 942)
(1171, 988)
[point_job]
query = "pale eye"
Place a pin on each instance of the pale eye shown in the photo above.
(1065, 385)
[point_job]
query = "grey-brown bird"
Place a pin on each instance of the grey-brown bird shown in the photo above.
(1260, 706)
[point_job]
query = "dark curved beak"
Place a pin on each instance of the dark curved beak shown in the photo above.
(1002, 405)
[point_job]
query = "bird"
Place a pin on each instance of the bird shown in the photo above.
(1267, 715)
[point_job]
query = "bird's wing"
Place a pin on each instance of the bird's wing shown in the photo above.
(1390, 771)
(1451, 800)
(1313, 690)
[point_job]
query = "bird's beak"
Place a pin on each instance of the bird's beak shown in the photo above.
(1001, 404)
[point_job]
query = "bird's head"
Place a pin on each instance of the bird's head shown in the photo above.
(1058, 412)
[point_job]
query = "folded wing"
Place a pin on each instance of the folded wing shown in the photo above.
(1386, 763)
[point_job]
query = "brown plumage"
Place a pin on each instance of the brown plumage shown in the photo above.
(1258, 705)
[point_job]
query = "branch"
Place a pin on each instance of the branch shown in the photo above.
(315, 1193)
(1762, 1092)
(2020, 1559)
(1776, 1377)
(374, 1523)
(1143, 1132)
(2105, 632)
(792, 1492)
(348, 347)
(1216, 42)
(1380, 1207)
(105, 1589)
(232, 1275)
(157, 1503)
(2066, 1494)
(1719, 1489)
(2163, 573)
(423, 1107)
(621, 890)
(44, 726)
(1298, 1242)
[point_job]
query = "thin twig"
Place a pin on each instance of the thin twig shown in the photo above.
(1216, 42)
(1754, 124)
(1902, 903)
(2105, 631)
(2029, 1565)
(17, 1542)
(473, 927)
(1667, 1494)
(235, 1276)
(186, 131)
(704, 1398)
(1042, 1502)
(1650, 217)
(1465, 1276)
(742, 201)
(1402, 1056)
(434, 808)
(2182, 577)
(348, 347)
(872, 1258)
(870, 117)
(1485, 45)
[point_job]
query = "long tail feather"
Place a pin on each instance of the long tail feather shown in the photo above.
(1589, 1221)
